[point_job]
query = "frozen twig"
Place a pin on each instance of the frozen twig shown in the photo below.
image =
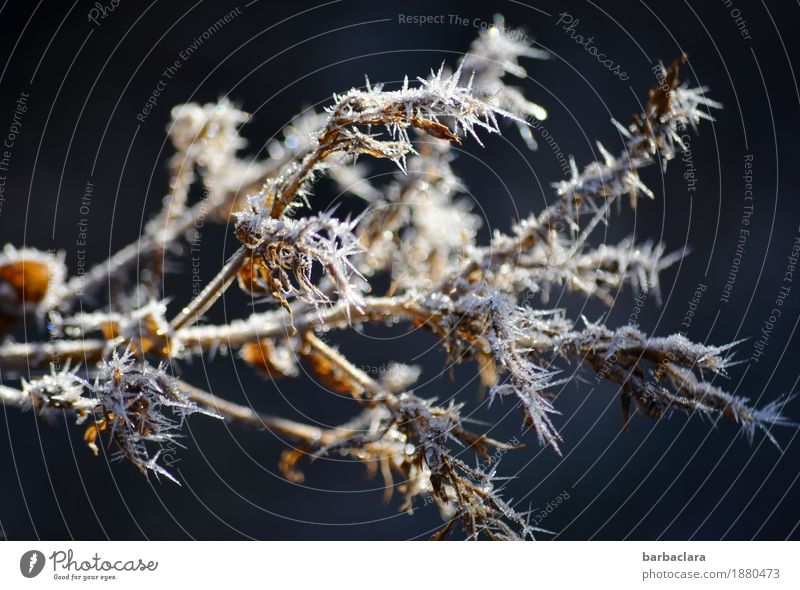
(485, 302)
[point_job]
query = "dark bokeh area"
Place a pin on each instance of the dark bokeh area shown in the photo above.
(676, 478)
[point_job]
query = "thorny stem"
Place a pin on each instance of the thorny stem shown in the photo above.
(36, 355)
(273, 324)
(224, 278)
(17, 356)
(287, 196)
(352, 112)
(10, 396)
(503, 335)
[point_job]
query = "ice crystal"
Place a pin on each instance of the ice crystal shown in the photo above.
(141, 407)
(653, 135)
(60, 389)
(495, 53)
(283, 253)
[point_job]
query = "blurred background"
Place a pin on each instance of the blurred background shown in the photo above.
(85, 83)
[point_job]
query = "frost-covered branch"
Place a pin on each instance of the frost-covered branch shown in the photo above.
(485, 303)
(654, 135)
(351, 120)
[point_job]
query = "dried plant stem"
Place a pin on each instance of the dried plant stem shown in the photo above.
(12, 397)
(476, 298)
(248, 415)
(37, 355)
(213, 291)
(298, 178)
(273, 324)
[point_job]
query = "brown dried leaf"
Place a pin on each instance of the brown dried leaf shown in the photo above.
(288, 464)
(264, 355)
(330, 376)
(435, 129)
(92, 432)
(29, 279)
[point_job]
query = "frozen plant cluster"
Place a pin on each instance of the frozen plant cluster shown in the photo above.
(312, 273)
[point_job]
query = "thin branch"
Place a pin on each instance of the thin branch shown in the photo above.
(37, 355)
(12, 397)
(213, 291)
(274, 324)
(248, 415)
